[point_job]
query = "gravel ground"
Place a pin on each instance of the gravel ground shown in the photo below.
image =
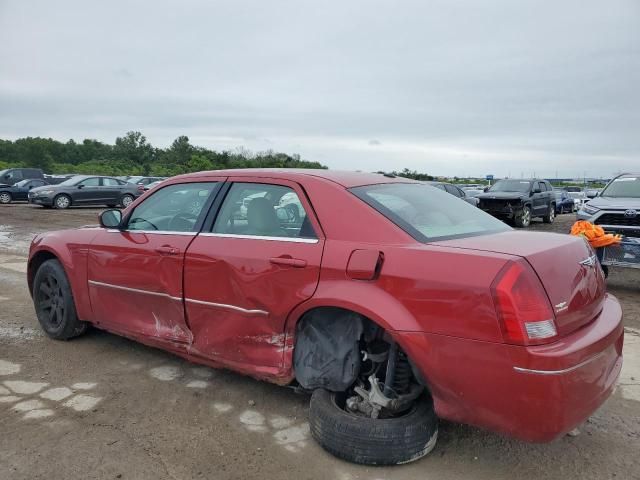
(105, 407)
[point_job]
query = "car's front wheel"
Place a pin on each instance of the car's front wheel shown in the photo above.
(62, 202)
(5, 197)
(523, 219)
(53, 301)
(126, 200)
(372, 441)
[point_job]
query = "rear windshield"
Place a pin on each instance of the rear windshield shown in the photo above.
(623, 187)
(511, 186)
(427, 213)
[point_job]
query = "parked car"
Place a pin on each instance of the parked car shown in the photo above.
(592, 192)
(86, 190)
(564, 202)
(455, 191)
(144, 180)
(579, 199)
(151, 185)
(11, 176)
(393, 302)
(617, 208)
(18, 192)
(519, 201)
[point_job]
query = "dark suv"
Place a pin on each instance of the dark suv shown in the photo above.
(519, 201)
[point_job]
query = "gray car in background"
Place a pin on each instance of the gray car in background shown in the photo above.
(86, 190)
(617, 208)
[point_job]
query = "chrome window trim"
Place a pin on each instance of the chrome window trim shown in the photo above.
(156, 232)
(135, 290)
(260, 237)
(226, 306)
(560, 372)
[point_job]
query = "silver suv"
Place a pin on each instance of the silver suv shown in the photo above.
(617, 208)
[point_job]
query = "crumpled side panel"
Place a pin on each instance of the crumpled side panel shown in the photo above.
(326, 353)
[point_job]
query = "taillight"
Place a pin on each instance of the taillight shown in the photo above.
(522, 305)
(141, 188)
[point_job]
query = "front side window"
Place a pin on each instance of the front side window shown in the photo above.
(264, 210)
(426, 213)
(175, 208)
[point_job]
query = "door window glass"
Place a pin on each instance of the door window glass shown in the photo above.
(111, 182)
(175, 208)
(263, 210)
(90, 182)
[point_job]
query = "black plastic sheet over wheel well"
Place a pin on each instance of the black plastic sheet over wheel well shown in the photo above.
(327, 353)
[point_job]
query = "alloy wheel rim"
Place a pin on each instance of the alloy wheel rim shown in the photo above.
(62, 202)
(5, 198)
(51, 301)
(126, 201)
(525, 218)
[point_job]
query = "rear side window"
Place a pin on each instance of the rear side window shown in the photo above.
(111, 182)
(426, 213)
(175, 208)
(263, 210)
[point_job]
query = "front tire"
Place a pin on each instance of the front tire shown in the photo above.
(62, 202)
(369, 441)
(5, 197)
(523, 220)
(126, 200)
(53, 301)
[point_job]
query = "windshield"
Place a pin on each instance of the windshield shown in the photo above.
(623, 187)
(71, 181)
(427, 213)
(511, 186)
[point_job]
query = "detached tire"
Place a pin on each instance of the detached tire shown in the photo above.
(53, 301)
(368, 441)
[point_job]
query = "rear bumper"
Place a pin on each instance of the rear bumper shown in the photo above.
(531, 393)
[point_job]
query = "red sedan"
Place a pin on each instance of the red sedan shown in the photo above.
(393, 302)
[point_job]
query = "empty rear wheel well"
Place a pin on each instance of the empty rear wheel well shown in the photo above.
(34, 264)
(329, 345)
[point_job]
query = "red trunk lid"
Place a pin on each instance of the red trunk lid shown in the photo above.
(576, 290)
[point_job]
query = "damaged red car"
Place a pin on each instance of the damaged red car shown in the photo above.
(393, 303)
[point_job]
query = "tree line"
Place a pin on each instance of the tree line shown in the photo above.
(132, 154)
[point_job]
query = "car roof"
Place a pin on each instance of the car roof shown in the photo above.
(347, 179)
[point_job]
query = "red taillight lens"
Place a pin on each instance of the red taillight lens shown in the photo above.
(141, 188)
(522, 305)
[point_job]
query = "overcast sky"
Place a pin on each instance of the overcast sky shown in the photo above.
(446, 87)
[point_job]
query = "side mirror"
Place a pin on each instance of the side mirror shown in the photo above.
(485, 189)
(111, 218)
(81, 186)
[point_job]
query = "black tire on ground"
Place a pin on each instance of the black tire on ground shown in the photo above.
(53, 301)
(126, 200)
(551, 214)
(5, 197)
(62, 201)
(524, 219)
(368, 441)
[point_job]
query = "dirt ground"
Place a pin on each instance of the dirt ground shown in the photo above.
(101, 406)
